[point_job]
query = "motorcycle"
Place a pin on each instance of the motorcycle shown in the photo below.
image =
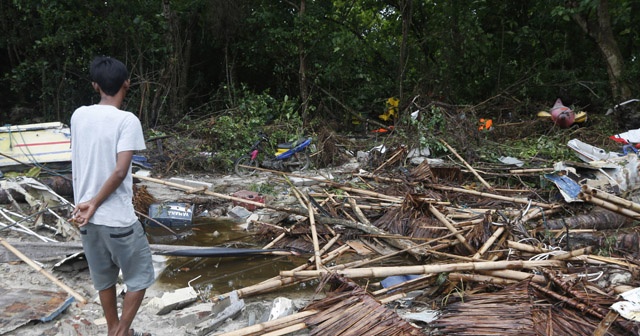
(290, 156)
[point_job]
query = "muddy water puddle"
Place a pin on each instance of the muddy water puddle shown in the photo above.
(216, 275)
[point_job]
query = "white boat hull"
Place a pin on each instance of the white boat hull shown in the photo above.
(35, 144)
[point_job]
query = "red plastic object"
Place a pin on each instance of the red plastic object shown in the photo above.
(248, 195)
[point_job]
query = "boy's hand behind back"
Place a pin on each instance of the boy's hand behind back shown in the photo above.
(82, 213)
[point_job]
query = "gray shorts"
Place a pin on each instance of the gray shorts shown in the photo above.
(110, 250)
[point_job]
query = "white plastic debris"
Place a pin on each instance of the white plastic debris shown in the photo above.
(511, 161)
(588, 153)
(380, 148)
(629, 309)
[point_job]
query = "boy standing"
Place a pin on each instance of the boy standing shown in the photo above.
(103, 141)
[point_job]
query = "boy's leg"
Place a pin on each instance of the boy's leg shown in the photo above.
(130, 306)
(104, 272)
(130, 249)
(109, 304)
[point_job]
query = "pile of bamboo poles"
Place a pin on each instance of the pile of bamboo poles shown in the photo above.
(487, 246)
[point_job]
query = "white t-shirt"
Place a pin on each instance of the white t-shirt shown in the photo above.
(98, 134)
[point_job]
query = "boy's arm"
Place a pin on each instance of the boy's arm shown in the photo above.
(85, 210)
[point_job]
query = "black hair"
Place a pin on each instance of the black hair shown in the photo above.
(109, 74)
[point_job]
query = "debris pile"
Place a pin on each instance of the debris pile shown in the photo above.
(489, 260)
(455, 253)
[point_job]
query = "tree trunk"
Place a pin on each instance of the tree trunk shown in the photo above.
(177, 68)
(302, 71)
(406, 10)
(599, 29)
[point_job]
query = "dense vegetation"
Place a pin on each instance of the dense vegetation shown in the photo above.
(217, 70)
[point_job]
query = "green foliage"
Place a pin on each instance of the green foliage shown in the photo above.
(231, 133)
(181, 53)
(424, 131)
(546, 147)
(53, 42)
(608, 246)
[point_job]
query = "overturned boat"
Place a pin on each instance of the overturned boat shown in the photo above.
(34, 144)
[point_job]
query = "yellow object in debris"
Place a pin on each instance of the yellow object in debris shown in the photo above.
(581, 117)
(391, 110)
(281, 150)
(544, 114)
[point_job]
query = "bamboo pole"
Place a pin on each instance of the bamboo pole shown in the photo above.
(573, 253)
(494, 196)
(392, 236)
(531, 170)
(280, 281)
(467, 165)
(35, 266)
(380, 272)
(314, 236)
(402, 285)
(265, 326)
(451, 228)
(489, 242)
(381, 178)
(525, 247)
(609, 206)
(287, 330)
(468, 223)
(516, 275)
(612, 261)
(379, 202)
(480, 278)
(273, 283)
(512, 190)
(299, 197)
(452, 256)
(611, 198)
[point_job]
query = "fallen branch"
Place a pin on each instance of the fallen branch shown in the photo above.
(356, 210)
